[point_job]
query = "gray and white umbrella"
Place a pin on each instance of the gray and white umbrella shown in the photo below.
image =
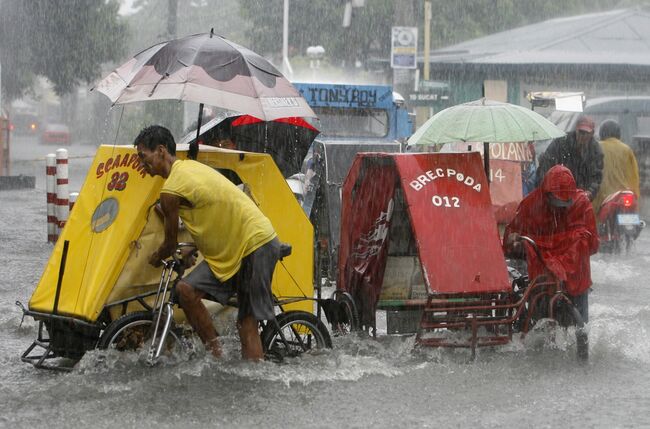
(208, 69)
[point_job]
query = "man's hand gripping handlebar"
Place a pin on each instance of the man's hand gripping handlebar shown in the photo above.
(184, 257)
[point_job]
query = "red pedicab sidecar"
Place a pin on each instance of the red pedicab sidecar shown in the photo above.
(419, 237)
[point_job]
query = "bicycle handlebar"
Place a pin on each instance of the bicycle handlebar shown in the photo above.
(533, 245)
(185, 244)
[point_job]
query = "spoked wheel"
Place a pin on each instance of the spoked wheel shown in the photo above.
(566, 314)
(302, 332)
(349, 319)
(133, 331)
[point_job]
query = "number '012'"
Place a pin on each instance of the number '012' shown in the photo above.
(438, 201)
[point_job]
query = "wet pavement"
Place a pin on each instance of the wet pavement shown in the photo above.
(361, 382)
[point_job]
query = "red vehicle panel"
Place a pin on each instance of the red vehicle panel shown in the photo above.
(453, 222)
(451, 218)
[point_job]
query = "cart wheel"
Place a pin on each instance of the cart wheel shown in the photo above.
(351, 322)
(133, 331)
(302, 331)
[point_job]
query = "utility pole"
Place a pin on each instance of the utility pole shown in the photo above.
(286, 65)
(424, 113)
(172, 111)
(404, 12)
(427, 38)
(172, 18)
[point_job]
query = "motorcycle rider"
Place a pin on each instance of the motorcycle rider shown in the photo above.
(580, 153)
(620, 171)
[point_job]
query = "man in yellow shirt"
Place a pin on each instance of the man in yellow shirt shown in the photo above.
(620, 171)
(238, 243)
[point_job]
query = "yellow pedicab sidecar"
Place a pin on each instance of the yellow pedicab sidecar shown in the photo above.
(98, 270)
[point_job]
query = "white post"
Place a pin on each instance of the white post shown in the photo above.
(50, 187)
(73, 199)
(62, 195)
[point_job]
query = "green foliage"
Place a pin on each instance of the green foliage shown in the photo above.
(319, 22)
(66, 41)
(149, 24)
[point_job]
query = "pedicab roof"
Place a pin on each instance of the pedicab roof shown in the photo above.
(447, 200)
(104, 230)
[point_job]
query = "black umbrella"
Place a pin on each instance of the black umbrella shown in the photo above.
(287, 140)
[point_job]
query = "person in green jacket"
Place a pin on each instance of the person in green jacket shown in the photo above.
(620, 171)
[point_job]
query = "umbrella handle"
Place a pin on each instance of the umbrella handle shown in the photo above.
(486, 160)
(194, 146)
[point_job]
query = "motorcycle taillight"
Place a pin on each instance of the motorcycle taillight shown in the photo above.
(628, 200)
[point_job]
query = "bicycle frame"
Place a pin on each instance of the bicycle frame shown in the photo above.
(162, 305)
(156, 346)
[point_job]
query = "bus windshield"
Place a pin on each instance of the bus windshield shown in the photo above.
(348, 122)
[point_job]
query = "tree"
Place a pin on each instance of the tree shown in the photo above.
(65, 41)
(149, 24)
(319, 22)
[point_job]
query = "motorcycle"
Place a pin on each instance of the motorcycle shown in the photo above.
(618, 222)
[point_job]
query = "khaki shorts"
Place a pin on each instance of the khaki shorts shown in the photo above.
(252, 283)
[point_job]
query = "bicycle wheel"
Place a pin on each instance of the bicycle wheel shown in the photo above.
(133, 331)
(302, 332)
(351, 322)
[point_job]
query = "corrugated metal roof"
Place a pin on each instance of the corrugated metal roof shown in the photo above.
(614, 37)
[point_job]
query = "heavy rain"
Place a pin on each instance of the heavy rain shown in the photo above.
(439, 262)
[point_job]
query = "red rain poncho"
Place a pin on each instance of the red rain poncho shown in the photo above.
(565, 237)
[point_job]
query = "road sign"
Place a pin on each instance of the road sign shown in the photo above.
(404, 48)
(430, 93)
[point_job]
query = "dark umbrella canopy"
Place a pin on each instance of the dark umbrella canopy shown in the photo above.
(209, 69)
(287, 140)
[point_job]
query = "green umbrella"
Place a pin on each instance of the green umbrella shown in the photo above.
(485, 121)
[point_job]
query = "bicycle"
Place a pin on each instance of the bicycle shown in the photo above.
(290, 334)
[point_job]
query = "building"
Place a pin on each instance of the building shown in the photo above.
(605, 53)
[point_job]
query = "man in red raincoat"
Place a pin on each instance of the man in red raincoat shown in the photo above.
(560, 219)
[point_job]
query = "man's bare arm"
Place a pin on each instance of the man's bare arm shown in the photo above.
(169, 205)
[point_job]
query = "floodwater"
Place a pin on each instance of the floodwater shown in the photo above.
(361, 382)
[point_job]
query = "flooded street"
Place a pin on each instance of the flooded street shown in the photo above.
(359, 383)
(312, 84)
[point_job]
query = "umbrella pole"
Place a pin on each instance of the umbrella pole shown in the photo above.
(194, 146)
(486, 160)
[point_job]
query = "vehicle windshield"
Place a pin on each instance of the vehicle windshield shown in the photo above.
(341, 122)
(562, 119)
